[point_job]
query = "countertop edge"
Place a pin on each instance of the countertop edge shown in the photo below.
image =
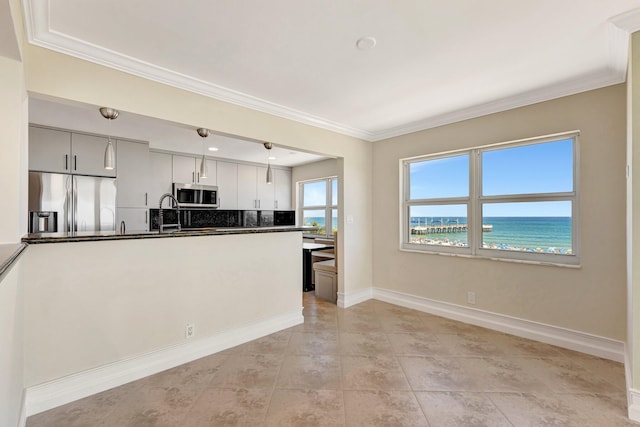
(40, 238)
(7, 261)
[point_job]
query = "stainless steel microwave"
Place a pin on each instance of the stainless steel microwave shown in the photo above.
(196, 195)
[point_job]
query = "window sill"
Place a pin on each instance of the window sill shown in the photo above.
(516, 261)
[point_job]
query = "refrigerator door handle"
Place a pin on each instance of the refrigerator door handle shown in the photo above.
(75, 203)
(66, 162)
(67, 206)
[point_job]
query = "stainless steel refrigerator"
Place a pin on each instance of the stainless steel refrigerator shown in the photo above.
(71, 203)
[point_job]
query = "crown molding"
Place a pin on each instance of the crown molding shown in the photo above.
(628, 21)
(36, 14)
(619, 28)
(571, 87)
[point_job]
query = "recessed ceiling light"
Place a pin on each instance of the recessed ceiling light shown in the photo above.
(213, 149)
(366, 43)
(271, 158)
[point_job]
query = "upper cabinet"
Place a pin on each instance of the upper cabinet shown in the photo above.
(186, 170)
(87, 154)
(247, 195)
(65, 152)
(255, 193)
(161, 178)
(211, 178)
(282, 187)
(227, 181)
(132, 160)
(49, 150)
(265, 192)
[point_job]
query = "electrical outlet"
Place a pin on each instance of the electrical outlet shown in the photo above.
(471, 297)
(190, 330)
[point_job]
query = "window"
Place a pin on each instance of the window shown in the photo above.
(512, 200)
(319, 205)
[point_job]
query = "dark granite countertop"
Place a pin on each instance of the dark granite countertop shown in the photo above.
(35, 238)
(9, 253)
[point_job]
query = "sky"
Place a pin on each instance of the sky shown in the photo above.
(315, 193)
(536, 168)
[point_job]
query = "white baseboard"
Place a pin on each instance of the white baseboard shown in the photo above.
(353, 298)
(561, 337)
(634, 404)
(82, 384)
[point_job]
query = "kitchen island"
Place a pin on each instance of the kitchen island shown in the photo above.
(8, 254)
(105, 309)
(89, 236)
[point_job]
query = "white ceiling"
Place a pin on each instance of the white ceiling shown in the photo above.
(435, 61)
(161, 135)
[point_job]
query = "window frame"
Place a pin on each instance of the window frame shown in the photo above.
(328, 207)
(476, 200)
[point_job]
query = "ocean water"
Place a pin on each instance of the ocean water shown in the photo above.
(509, 232)
(319, 220)
(523, 233)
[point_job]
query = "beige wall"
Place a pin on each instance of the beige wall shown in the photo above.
(11, 343)
(13, 146)
(634, 212)
(89, 304)
(351, 207)
(589, 299)
(60, 76)
(315, 170)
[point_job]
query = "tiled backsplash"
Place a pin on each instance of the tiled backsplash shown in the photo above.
(203, 218)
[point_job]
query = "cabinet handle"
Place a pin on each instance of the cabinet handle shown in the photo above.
(258, 203)
(275, 204)
(197, 176)
(146, 217)
(146, 199)
(66, 162)
(193, 177)
(75, 162)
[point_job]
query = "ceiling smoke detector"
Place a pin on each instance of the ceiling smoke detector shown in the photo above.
(366, 43)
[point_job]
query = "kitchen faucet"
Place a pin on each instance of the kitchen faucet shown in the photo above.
(161, 225)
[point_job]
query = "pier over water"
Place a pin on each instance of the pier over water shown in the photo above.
(446, 228)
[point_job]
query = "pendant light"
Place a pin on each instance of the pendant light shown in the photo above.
(269, 146)
(109, 152)
(203, 164)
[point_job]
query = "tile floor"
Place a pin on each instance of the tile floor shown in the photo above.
(373, 364)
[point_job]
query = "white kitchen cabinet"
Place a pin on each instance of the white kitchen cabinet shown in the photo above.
(133, 175)
(265, 193)
(161, 178)
(247, 187)
(255, 193)
(87, 155)
(49, 150)
(211, 178)
(186, 170)
(282, 187)
(227, 182)
(65, 152)
(135, 219)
